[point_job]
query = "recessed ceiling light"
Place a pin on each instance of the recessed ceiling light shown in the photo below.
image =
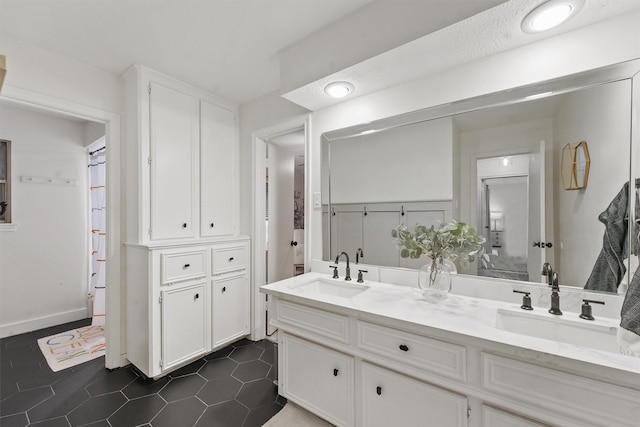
(550, 14)
(338, 89)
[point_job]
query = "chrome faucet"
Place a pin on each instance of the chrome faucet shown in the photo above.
(548, 271)
(359, 254)
(555, 296)
(348, 270)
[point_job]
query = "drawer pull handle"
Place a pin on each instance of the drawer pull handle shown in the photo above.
(187, 265)
(379, 390)
(404, 347)
(335, 372)
(224, 289)
(184, 225)
(196, 297)
(230, 259)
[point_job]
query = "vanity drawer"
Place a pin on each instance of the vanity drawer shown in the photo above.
(428, 354)
(590, 402)
(330, 325)
(176, 267)
(228, 259)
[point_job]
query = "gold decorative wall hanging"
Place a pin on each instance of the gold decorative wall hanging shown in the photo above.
(575, 166)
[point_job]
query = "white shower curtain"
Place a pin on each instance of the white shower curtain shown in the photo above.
(97, 194)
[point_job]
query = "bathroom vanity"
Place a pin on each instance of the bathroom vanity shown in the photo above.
(378, 354)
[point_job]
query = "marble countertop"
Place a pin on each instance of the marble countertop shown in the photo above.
(463, 315)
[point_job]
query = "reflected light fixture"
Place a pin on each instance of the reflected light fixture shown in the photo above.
(338, 89)
(550, 14)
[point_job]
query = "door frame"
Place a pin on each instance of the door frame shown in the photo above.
(259, 139)
(115, 353)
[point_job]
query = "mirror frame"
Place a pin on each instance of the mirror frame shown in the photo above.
(627, 70)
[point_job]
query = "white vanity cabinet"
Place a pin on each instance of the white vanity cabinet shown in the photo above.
(217, 170)
(318, 378)
(230, 292)
(173, 150)
(183, 324)
(400, 373)
(181, 160)
(181, 305)
(392, 399)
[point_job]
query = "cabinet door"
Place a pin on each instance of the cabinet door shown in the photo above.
(391, 399)
(183, 324)
(230, 308)
(217, 170)
(173, 136)
(319, 379)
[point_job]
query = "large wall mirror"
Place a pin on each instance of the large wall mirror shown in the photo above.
(495, 162)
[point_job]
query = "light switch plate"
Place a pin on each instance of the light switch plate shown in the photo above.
(317, 200)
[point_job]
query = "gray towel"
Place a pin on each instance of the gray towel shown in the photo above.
(630, 313)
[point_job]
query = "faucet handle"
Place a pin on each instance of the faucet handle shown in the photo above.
(526, 300)
(586, 309)
(335, 271)
(360, 279)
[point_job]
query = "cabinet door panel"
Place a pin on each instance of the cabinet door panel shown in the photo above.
(217, 170)
(230, 309)
(183, 324)
(391, 399)
(319, 379)
(172, 132)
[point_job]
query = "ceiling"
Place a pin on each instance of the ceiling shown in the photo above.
(234, 48)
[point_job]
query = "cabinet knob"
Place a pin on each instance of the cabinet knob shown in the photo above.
(335, 372)
(211, 225)
(184, 225)
(187, 265)
(224, 289)
(230, 259)
(404, 347)
(196, 297)
(379, 390)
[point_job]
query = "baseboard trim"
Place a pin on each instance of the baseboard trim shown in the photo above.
(24, 326)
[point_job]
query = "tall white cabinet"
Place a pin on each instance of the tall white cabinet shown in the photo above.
(187, 269)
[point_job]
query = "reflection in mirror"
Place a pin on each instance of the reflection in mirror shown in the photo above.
(495, 163)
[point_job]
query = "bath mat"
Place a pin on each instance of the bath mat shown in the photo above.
(71, 348)
(294, 416)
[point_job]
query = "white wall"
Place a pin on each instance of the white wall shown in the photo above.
(37, 70)
(405, 164)
(601, 44)
(44, 262)
(581, 118)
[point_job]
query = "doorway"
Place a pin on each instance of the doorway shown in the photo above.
(115, 355)
(279, 211)
(511, 208)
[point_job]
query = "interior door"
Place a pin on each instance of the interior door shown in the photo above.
(280, 206)
(537, 216)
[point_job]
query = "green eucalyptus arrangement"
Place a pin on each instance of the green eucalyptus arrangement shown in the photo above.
(455, 241)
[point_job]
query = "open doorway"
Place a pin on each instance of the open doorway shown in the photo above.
(279, 211)
(110, 125)
(284, 174)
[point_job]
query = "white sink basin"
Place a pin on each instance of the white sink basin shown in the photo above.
(568, 328)
(336, 288)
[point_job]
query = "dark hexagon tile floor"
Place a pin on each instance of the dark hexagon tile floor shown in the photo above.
(232, 387)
